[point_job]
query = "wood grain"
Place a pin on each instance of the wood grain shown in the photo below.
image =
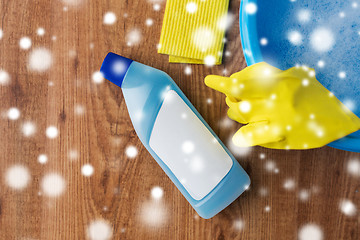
(119, 190)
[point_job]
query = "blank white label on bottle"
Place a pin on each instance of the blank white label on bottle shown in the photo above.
(188, 148)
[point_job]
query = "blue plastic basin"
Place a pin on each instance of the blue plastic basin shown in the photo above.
(320, 34)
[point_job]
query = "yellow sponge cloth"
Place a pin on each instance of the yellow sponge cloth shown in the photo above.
(193, 31)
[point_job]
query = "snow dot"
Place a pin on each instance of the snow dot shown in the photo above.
(310, 232)
(79, 109)
(25, 43)
(354, 5)
(263, 191)
(109, 18)
(262, 155)
(53, 185)
(225, 21)
(305, 82)
(72, 53)
(342, 75)
(97, 77)
(353, 167)
(196, 164)
(17, 177)
(304, 195)
(270, 166)
(191, 7)
(267, 209)
(1, 33)
(87, 170)
(40, 60)
(312, 73)
(4, 77)
(251, 8)
(188, 147)
(157, 193)
(13, 113)
(149, 22)
(263, 41)
(295, 38)
(157, 7)
(239, 224)
(209, 101)
(40, 31)
(289, 184)
(210, 61)
(267, 72)
(188, 70)
(341, 14)
(304, 16)
(52, 132)
(42, 158)
(119, 68)
(131, 151)
(72, 2)
(73, 154)
(350, 104)
(133, 37)
(99, 230)
(321, 64)
(347, 208)
(245, 106)
(203, 38)
(153, 214)
(322, 39)
(305, 68)
(28, 129)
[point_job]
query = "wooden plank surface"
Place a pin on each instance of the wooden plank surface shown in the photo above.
(94, 128)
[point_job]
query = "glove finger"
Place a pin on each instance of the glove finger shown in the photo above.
(261, 69)
(257, 81)
(223, 84)
(247, 111)
(257, 133)
(232, 114)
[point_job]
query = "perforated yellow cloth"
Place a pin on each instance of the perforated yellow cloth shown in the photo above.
(193, 31)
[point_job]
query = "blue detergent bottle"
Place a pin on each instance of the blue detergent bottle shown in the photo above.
(177, 137)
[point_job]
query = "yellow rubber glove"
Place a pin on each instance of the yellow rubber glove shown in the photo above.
(283, 109)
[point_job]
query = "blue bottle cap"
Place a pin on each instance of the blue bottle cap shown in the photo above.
(115, 67)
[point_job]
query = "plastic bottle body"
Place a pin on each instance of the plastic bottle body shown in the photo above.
(146, 91)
